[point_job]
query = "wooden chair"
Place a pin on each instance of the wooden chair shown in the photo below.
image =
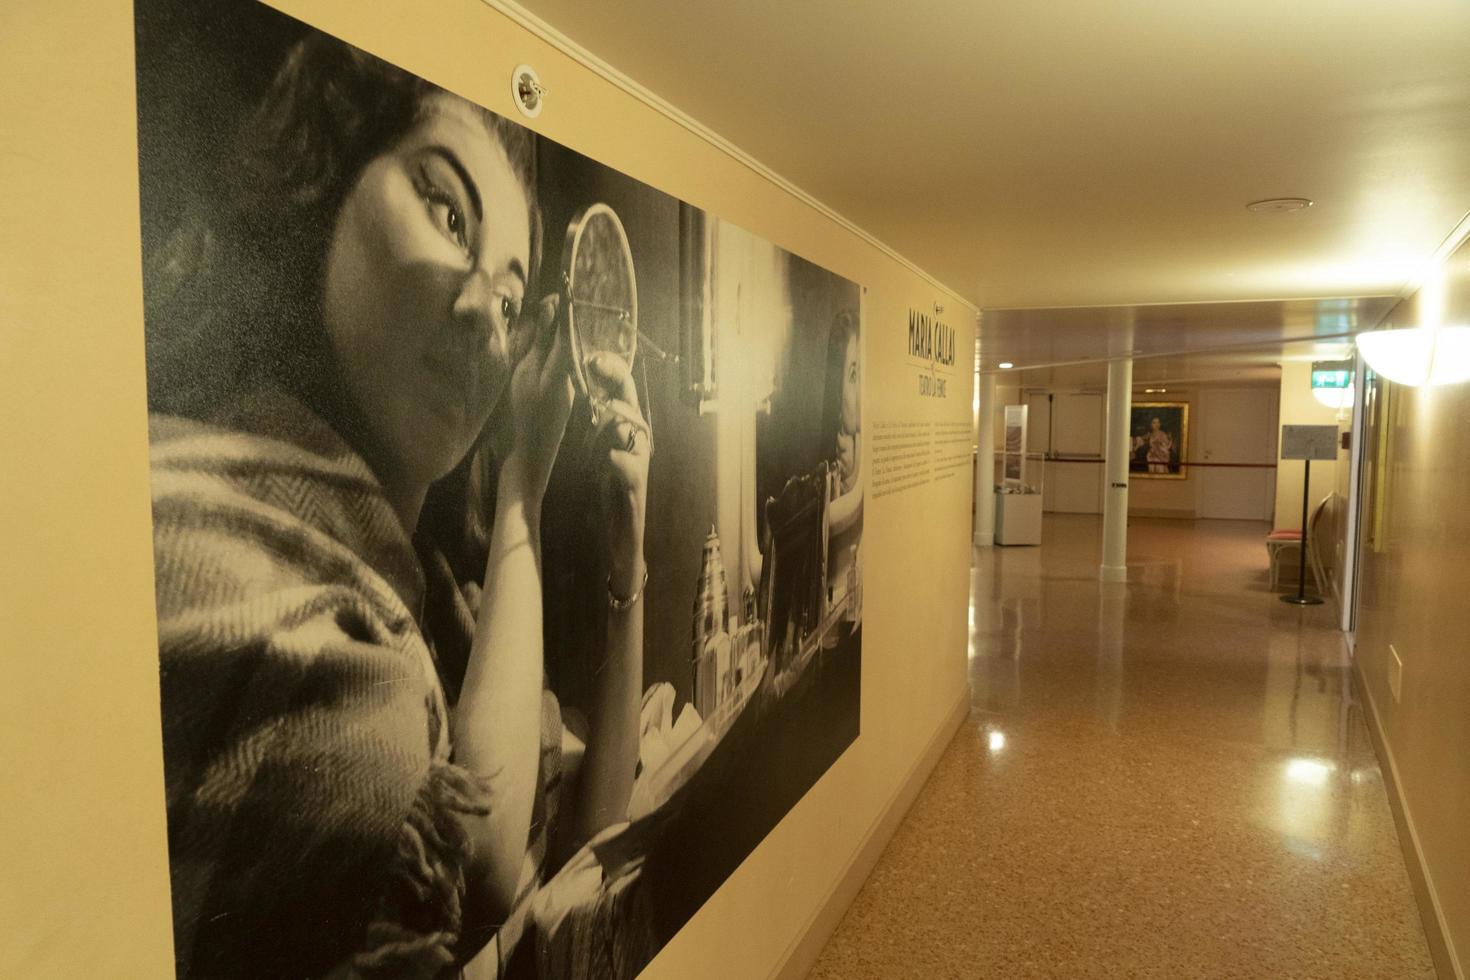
(1321, 573)
(1280, 544)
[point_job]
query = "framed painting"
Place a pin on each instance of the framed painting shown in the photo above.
(1159, 440)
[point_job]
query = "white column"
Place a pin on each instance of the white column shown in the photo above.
(985, 464)
(1115, 494)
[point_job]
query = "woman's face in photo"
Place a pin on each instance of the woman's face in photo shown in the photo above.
(424, 283)
(850, 380)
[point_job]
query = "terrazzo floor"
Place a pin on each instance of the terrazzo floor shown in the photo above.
(1169, 778)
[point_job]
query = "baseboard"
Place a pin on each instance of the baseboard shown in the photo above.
(1436, 926)
(802, 954)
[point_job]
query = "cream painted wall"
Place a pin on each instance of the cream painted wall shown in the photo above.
(1211, 424)
(1412, 596)
(1169, 498)
(1146, 497)
(85, 882)
(1299, 407)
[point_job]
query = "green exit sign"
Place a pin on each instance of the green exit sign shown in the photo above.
(1332, 374)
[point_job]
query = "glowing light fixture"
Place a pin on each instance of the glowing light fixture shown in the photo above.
(997, 741)
(1418, 356)
(1006, 365)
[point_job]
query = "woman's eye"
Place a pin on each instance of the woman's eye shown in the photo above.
(444, 212)
(509, 310)
(448, 219)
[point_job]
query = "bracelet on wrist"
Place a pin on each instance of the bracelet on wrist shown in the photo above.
(617, 603)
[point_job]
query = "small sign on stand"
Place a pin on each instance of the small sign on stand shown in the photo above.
(1307, 442)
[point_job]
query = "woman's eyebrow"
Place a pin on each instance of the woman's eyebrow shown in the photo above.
(471, 191)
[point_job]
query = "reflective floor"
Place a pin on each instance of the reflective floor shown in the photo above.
(1168, 778)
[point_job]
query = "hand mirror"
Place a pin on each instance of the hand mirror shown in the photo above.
(601, 301)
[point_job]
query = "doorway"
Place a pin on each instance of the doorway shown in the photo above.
(1238, 425)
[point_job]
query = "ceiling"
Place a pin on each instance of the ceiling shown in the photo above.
(1053, 153)
(1181, 371)
(1175, 341)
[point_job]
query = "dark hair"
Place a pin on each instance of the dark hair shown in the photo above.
(233, 297)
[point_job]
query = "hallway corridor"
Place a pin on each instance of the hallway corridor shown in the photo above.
(1166, 779)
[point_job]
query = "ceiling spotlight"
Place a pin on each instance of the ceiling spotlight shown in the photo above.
(1006, 365)
(1277, 205)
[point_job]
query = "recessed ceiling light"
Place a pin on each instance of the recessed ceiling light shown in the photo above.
(1006, 365)
(1276, 205)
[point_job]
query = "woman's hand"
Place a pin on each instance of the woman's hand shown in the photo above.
(540, 402)
(628, 443)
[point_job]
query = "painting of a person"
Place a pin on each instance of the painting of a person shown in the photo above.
(345, 361)
(1160, 440)
(1160, 447)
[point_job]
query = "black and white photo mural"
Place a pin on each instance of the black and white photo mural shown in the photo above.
(507, 522)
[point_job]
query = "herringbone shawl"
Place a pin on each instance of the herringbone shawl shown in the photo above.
(310, 789)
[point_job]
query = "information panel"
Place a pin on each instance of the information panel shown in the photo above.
(1309, 442)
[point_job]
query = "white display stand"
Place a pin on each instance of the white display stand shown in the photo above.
(1018, 515)
(1017, 518)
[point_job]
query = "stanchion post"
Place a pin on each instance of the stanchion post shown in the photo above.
(1301, 598)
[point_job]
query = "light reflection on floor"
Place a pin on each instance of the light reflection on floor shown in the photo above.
(1168, 778)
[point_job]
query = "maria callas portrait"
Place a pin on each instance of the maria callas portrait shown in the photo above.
(507, 522)
(1159, 438)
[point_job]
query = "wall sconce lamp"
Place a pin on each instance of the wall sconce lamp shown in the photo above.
(1418, 356)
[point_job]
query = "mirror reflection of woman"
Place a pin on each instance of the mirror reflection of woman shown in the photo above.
(361, 764)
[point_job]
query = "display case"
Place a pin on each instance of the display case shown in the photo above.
(1018, 502)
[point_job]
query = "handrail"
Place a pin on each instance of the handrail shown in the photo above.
(1099, 460)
